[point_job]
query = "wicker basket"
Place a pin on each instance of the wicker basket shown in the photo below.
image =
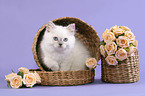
(89, 38)
(125, 72)
(61, 78)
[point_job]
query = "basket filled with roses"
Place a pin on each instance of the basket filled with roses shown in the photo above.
(119, 55)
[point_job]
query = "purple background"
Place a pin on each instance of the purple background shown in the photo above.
(21, 19)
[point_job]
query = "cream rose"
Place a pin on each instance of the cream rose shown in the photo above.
(121, 54)
(130, 35)
(109, 37)
(91, 63)
(24, 70)
(118, 31)
(102, 50)
(122, 41)
(135, 43)
(124, 28)
(16, 81)
(104, 33)
(113, 27)
(38, 79)
(9, 76)
(111, 60)
(110, 48)
(132, 49)
(131, 41)
(29, 79)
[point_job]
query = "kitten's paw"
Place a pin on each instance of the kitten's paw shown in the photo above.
(55, 67)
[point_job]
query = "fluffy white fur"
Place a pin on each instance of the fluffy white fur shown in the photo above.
(71, 55)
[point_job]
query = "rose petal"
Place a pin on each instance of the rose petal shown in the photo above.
(24, 70)
(16, 81)
(121, 54)
(91, 63)
(29, 79)
(111, 60)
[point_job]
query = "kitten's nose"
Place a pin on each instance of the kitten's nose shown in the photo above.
(60, 44)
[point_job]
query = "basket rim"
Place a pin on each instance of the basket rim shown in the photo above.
(34, 51)
(43, 71)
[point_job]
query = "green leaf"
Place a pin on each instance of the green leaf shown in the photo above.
(8, 83)
(20, 73)
(98, 64)
(93, 67)
(127, 48)
(118, 47)
(113, 54)
(112, 30)
(131, 44)
(120, 35)
(12, 70)
(102, 43)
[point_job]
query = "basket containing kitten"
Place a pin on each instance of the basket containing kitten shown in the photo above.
(61, 48)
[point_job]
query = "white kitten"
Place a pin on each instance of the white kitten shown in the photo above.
(60, 50)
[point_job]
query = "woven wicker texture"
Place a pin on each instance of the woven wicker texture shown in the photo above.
(64, 78)
(124, 72)
(84, 33)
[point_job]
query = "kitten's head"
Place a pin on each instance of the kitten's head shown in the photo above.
(58, 37)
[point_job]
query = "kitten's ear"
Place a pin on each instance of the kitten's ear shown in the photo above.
(50, 25)
(71, 27)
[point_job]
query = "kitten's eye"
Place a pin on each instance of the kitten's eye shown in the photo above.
(55, 38)
(65, 39)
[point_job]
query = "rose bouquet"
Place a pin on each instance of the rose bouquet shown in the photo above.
(23, 77)
(118, 44)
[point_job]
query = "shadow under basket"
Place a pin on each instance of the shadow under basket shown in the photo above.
(87, 35)
(125, 72)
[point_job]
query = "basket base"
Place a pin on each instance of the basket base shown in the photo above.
(66, 78)
(119, 82)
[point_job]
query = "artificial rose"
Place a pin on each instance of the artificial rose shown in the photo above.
(110, 48)
(131, 41)
(104, 33)
(118, 31)
(38, 79)
(24, 70)
(121, 54)
(111, 60)
(102, 50)
(91, 63)
(113, 27)
(16, 81)
(130, 35)
(132, 49)
(109, 37)
(122, 41)
(124, 28)
(135, 43)
(9, 76)
(29, 79)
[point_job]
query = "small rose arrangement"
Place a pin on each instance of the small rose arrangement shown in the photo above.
(91, 63)
(23, 77)
(118, 44)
